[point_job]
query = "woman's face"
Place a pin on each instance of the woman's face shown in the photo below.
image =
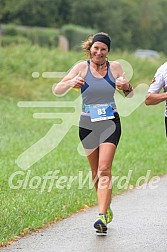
(99, 52)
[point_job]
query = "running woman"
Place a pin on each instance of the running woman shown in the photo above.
(99, 125)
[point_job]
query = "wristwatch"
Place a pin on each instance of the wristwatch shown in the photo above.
(129, 89)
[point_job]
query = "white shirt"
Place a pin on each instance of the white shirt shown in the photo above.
(159, 82)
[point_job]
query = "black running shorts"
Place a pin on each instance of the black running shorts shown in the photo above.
(92, 134)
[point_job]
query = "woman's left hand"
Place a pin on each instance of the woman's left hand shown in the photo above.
(122, 82)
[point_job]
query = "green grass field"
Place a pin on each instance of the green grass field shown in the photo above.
(31, 204)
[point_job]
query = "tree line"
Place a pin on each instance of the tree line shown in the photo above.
(131, 24)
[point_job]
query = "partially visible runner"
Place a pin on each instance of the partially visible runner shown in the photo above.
(159, 83)
(99, 126)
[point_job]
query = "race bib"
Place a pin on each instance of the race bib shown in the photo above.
(100, 112)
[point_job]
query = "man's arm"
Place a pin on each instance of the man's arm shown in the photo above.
(154, 96)
(153, 99)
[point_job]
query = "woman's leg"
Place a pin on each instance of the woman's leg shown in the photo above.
(104, 190)
(93, 158)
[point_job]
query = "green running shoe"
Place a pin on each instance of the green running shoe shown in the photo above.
(101, 225)
(109, 215)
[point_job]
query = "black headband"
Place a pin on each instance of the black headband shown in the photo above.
(102, 38)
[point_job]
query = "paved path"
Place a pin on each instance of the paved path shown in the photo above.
(140, 224)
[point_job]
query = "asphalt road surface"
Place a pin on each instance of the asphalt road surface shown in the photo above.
(139, 224)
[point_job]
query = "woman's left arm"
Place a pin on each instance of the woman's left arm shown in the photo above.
(122, 83)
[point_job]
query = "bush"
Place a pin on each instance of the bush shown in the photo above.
(8, 40)
(48, 37)
(9, 29)
(41, 36)
(75, 35)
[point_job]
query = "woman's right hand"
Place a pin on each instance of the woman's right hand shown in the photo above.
(77, 81)
(72, 80)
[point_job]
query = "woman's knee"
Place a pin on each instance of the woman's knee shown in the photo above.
(104, 170)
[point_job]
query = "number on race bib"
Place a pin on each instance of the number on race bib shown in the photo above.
(101, 111)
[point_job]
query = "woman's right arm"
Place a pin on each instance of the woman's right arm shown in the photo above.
(74, 79)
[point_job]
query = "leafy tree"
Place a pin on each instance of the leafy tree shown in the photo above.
(9, 10)
(35, 12)
(131, 24)
(149, 23)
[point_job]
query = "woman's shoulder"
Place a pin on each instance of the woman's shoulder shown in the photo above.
(115, 68)
(81, 63)
(115, 64)
(81, 66)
